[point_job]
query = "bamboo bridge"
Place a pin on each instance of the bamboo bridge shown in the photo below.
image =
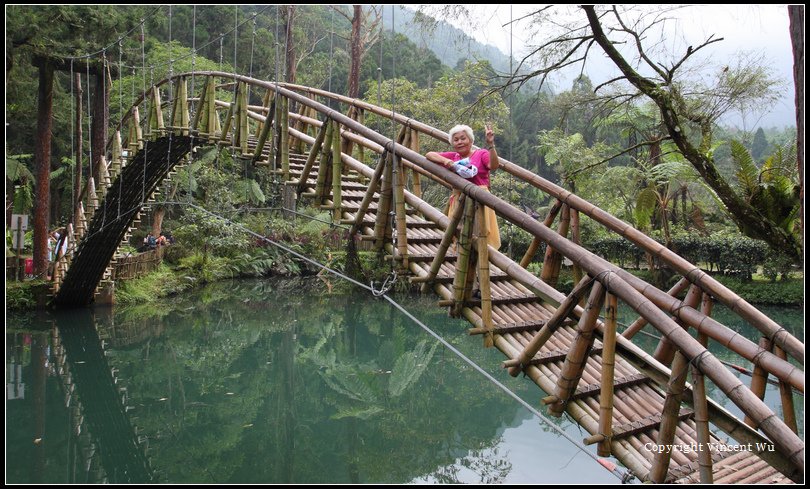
(629, 401)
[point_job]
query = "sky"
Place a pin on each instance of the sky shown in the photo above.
(752, 29)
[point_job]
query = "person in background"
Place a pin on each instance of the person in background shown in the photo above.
(473, 165)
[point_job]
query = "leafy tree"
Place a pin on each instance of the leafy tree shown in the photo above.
(759, 145)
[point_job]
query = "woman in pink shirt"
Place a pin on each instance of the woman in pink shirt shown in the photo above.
(473, 165)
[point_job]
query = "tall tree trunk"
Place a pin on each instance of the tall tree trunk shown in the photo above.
(42, 155)
(290, 45)
(796, 15)
(157, 220)
(356, 48)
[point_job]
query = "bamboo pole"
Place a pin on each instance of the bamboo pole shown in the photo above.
(264, 131)
(399, 206)
(242, 143)
(180, 115)
(553, 259)
(759, 379)
(701, 407)
(665, 351)
(323, 167)
(447, 239)
(639, 323)
(463, 259)
(786, 395)
(300, 125)
(267, 110)
(223, 137)
(383, 223)
(417, 183)
(566, 307)
(314, 150)
(552, 214)
(577, 239)
(608, 368)
(669, 419)
(337, 170)
(576, 358)
(285, 138)
(369, 195)
(135, 136)
(483, 275)
(154, 120)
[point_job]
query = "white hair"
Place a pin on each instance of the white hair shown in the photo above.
(459, 128)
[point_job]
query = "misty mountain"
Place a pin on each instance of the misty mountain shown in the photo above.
(448, 43)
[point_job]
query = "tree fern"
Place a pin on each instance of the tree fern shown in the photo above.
(745, 169)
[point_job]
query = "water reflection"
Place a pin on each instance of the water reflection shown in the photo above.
(268, 382)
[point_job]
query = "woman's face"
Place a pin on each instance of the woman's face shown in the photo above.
(461, 143)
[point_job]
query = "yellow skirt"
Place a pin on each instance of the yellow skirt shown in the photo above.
(494, 237)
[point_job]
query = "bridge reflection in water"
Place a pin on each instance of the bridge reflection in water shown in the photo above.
(257, 382)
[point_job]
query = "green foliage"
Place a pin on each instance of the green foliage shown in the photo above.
(22, 295)
(773, 188)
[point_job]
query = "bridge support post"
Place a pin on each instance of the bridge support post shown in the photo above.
(289, 195)
(106, 294)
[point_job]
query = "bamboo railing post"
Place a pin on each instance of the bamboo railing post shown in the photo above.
(553, 259)
(361, 117)
(314, 150)
(701, 405)
(607, 376)
(483, 275)
(154, 119)
(447, 239)
(267, 110)
(382, 226)
(369, 195)
(639, 323)
(285, 138)
(347, 145)
(244, 131)
(577, 356)
(277, 122)
(552, 213)
(669, 418)
(135, 136)
(759, 380)
(786, 395)
(201, 107)
(337, 170)
(417, 183)
(399, 206)
(180, 115)
(463, 259)
(665, 351)
(264, 131)
(323, 168)
(300, 125)
(577, 239)
(229, 116)
(116, 155)
(556, 320)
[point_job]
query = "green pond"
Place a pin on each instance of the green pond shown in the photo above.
(280, 381)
